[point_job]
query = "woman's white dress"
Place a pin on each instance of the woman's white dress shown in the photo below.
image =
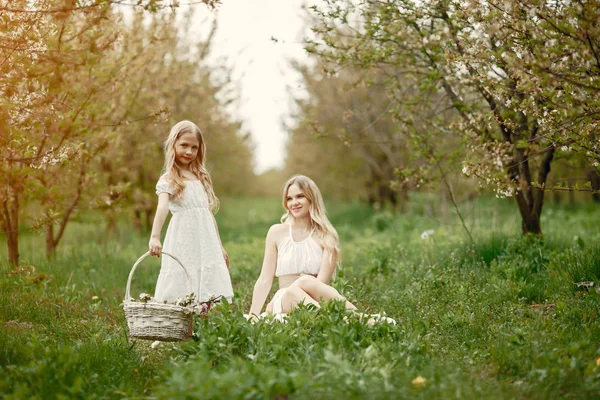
(192, 238)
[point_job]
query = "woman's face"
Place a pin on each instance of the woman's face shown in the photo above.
(297, 203)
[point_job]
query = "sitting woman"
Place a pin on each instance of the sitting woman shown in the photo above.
(302, 252)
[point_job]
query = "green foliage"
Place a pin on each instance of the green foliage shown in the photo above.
(505, 87)
(59, 341)
(502, 319)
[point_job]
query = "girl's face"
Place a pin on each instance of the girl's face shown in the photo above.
(297, 203)
(186, 149)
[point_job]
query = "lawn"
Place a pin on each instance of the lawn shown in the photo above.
(504, 317)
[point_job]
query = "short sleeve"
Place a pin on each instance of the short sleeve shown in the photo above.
(162, 186)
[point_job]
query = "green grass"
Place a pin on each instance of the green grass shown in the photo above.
(502, 318)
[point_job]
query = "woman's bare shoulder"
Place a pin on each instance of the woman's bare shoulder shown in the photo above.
(277, 231)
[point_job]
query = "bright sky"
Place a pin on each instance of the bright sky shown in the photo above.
(258, 38)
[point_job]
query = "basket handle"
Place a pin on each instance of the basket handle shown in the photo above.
(187, 275)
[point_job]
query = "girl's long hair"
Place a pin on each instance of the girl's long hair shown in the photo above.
(318, 219)
(174, 173)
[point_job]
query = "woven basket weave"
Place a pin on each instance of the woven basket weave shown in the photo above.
(157, 321)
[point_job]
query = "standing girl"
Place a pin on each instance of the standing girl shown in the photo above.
(192, 236)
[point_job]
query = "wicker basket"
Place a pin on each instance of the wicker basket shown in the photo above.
(156, 321)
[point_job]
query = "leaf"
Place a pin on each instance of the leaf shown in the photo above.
(522, 144)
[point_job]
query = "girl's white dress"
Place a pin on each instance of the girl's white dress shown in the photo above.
(192, 238)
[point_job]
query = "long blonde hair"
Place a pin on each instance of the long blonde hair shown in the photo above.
(318, 219)
(197, 167)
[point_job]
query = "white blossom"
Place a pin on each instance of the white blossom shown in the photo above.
(145, 297)
(426, 234)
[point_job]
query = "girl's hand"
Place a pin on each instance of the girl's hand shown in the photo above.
(155, 247)
(225, 257)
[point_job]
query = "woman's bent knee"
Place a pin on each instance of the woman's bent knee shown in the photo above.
(304, 281)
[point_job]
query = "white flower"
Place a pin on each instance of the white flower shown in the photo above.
(426, 234)
(185, 301)
(565, 148)
(502, 193)
(595, 164)
(145, 297)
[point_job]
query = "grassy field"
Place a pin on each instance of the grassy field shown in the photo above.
(503, 318)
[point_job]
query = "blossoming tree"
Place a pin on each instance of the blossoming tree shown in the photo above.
(523, 79)
(57, 71)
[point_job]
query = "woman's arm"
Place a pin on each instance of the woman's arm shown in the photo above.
(162, 210)
(262, 287)
(327, 267)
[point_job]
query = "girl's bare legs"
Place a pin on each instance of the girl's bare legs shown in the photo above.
(319, 290)
(294, 295)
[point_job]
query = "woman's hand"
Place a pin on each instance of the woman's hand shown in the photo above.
(225, 257)
(251, 317)
(155, 247)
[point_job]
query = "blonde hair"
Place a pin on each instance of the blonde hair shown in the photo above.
(197, 167)
(318, 219)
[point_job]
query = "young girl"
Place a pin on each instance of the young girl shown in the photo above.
(192, 235)
(302, 252)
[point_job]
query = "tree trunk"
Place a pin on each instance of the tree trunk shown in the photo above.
(531, 199)
(149, 218)
(10, 225)
(594, 177)
(530, 221)
(111, 224)
(50, 242)
(52, 239)
(137, 220)
(402, 199)
(13, 248)
(386, 194)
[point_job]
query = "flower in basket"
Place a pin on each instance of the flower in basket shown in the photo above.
(145, 297)
(185, 301)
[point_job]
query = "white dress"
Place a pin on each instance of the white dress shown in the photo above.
(294, 259)
(192, 238)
